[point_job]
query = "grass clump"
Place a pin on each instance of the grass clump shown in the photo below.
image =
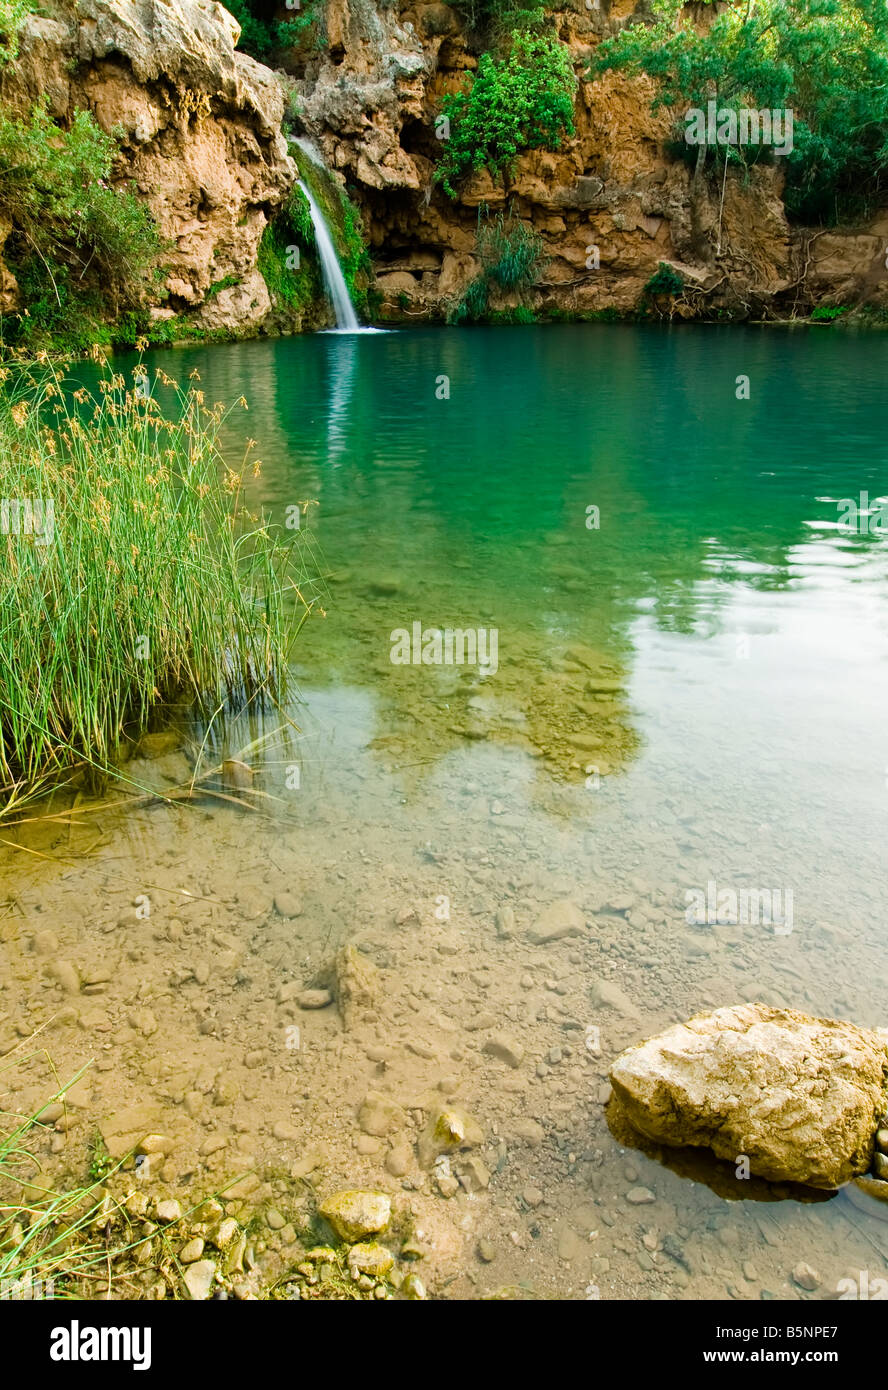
(46, 1236)
(512, 256)
(131, 571)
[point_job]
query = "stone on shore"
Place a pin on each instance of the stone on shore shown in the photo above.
(801, 1097)
(354, 1215)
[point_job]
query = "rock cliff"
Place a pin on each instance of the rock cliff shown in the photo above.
(200, 130)
(612, 196)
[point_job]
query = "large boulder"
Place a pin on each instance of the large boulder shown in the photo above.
(801, 1097)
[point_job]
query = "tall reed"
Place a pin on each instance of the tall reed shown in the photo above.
(131, 569)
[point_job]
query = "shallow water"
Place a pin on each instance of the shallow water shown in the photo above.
(736, 642)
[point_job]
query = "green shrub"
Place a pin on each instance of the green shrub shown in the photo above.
(521, 102)
(472, 304)
(828, 313)
(12, 13)
(151, 582)
(826, 60)
(263, 38)
(497, 19)
(512, 256)
(80, 248)
(665, 281)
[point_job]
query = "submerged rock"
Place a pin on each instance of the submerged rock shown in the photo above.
(448, 1129)
(357, 984)
(800, 1097)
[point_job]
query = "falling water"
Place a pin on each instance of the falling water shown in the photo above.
(346, 318)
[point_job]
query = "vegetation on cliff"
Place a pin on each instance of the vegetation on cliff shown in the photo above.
(523, 101)
(264, 37)
(79, 247)
(511, 255)
(826, 60)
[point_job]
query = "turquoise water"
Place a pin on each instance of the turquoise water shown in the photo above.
(691, 692)
(750, 631)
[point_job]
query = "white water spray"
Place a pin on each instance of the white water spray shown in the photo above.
(337, 289)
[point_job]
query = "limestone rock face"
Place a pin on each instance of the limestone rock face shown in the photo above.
(202, 142)
(800, 1096)
(610, 205)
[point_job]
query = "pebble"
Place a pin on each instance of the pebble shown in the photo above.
(640, 1196)
(806, 1277)
(282, 1129)
(880, 1166)
(532, 1196)
(191, 1251)
(354, 1214)
(486, 1250)
(560, 919)
(169, 1210)
(505, 1048)
(505, 923)
(314, 998)
(198, 1278)
(370, 1258)
(397, 1160)
(65, 975)
(275, 1220)
(379, 1114)
(287, 905)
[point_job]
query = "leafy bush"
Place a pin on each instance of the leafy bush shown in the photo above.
(499, 18)
(521, 102)
(827, 60)
(665, 281)
(12, 12)
(828, 313)
(79, 247)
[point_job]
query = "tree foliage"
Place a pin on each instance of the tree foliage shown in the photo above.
(827, 60)
(523, 101)
(263, 36)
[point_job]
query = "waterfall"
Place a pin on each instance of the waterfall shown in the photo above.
(346, 318)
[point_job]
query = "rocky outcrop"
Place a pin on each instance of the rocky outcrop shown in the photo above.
(201, 135)
(609, 207)
(800, 1097)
